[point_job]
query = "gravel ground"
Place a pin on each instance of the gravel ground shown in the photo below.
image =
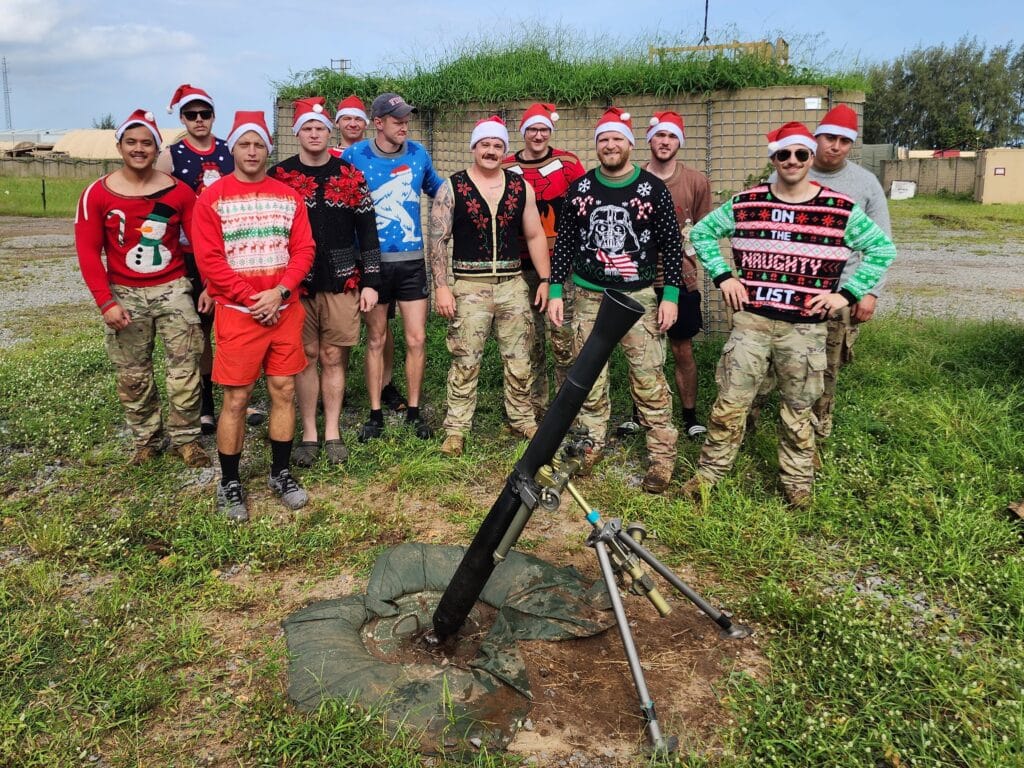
(960, 278)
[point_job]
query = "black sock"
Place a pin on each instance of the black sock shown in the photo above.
(412, 413)
(386, 385)
(229, 467)
(280, 456)
(377, 416)
(206, 405)
(689, 416)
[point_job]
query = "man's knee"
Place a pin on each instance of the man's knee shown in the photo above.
(281, 389)
(330, 356)
(236, 399)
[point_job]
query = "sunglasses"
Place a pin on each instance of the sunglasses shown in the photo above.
(195, 114)
(801, 155)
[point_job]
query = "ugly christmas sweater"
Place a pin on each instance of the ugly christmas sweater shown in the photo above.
(340, 211)
(611, 231)
(788, 253)
(396, 182)
(250, 237)
(139, 235)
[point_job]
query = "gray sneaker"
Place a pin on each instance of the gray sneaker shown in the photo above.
(288, 490)
(231, 501)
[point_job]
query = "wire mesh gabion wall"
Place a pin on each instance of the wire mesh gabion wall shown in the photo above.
(725, 138)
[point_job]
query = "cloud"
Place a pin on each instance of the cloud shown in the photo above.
(120, 42)
(27, 21)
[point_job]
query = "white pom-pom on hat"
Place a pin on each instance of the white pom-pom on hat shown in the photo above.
(554, 117)
(149, 116)
(625, 116)
(653, 121)
(318, 108)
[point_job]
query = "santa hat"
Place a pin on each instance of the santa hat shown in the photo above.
(538, 114)
(614, 119)
(185, 94)
(839, 121)
(139, 117)
(353, 106)
(667, 121)
(788, 135)
(492, 127)
(308, 109)
(249, 121)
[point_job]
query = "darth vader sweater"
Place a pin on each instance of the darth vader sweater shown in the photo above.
(611, 231)
(138, 235)
(788, 253)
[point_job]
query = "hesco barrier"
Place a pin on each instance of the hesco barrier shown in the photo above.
(725, 138)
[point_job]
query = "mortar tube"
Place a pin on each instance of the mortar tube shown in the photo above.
(617, 314)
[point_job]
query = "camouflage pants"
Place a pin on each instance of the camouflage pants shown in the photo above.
(795, 355)
(165, 311)
(560, 338)
(842, 333)
(644, 347)
(478, 306)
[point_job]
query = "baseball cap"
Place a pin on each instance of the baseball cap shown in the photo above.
(391, 104)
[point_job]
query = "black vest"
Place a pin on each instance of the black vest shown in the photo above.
(486, 244)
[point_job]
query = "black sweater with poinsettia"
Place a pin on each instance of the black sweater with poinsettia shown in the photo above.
(343, 223)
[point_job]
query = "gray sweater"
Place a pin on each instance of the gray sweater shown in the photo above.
(865, 190)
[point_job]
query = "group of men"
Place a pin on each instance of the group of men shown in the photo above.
(285, 264)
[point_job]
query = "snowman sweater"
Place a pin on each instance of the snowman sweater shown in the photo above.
(396, 182)
(610, 233)
(138, 235)
(788, 253)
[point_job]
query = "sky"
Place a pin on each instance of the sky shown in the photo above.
(70, 62)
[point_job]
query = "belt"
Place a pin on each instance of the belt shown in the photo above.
(246, 310)
(489, 279)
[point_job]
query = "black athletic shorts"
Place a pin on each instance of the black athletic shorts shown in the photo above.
(403, 281)
(690, 320)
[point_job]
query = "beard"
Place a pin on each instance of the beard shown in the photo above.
(614, 162)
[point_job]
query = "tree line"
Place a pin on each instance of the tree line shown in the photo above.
(959, 97)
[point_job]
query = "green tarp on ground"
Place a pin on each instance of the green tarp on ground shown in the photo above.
(330, 642)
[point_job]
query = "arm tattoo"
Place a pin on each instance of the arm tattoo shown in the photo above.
(441, 215)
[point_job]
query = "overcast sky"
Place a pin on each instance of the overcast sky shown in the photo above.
(71, 61)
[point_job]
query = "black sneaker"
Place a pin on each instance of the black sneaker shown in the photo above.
(231, 501)
(371, 430)
(288, 490)
(423, 430)
(392, 398)
(255, 415)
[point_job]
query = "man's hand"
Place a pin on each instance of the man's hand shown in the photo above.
(864, 309)
(265, 305)
(117, 317)
(271, 319)
(555, 309)
(367, 299)
(205, 304)
(734, 293)
(668, 313)
(827, 303)
(444, 302)
(541, 301)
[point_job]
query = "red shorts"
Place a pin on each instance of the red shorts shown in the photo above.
(244, 346)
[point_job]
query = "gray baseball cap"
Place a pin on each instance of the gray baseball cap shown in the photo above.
(391, 104)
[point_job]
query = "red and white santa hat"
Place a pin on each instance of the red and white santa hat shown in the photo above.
(139, 117)
(250, 120)
(187, 93)
(538, 114)
(352, 106)
(311, 108)
(614, 119)
(667, 121)
(788, 135)
(839, 121)
(492, 127)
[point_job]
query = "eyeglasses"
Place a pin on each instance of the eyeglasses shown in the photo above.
(195, 114)
(802, 155)
(538, 130)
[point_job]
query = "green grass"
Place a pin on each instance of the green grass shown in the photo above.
(931, 218)
(23, 196)
(564, 68)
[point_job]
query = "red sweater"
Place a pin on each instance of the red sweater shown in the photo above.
(139, 235)
(249, 237)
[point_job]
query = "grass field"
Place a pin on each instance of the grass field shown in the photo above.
(890, 611)
(23, 197)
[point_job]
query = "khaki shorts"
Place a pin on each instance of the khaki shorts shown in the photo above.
(331, 318)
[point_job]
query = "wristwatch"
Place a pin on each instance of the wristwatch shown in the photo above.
(285, 293)
(546, 280)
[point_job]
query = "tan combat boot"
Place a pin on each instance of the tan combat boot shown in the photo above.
(453, 445)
